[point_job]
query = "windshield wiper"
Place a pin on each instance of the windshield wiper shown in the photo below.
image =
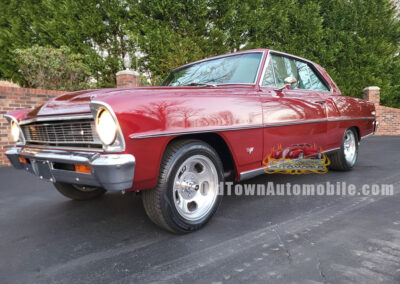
(201, 85)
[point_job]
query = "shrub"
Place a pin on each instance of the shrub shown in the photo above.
(52, 68)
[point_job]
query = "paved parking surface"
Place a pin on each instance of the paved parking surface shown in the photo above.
(266, 239)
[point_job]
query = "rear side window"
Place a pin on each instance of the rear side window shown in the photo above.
(316, 83)
(281, 67)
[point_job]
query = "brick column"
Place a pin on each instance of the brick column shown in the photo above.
(128, 78)
(372, 94)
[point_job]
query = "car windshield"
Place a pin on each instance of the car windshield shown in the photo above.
(234, 69)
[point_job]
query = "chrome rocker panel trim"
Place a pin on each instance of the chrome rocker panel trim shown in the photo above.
(112, 172)
(256, 172)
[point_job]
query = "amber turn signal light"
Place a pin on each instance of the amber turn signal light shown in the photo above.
(82, 169)
(23, 160)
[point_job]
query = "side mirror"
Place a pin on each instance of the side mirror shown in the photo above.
(289, 83)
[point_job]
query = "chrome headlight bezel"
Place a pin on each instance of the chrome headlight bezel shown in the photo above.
(118, 143)
(14, 122)
(106, 126)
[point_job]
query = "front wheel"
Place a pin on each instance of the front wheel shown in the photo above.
(187, 194)
(346, 157)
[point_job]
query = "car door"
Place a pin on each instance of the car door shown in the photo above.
(334, 133)
(296, 116)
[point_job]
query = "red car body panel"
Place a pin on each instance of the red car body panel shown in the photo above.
(244, 116)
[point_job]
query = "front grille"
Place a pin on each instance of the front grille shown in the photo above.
(74, 133)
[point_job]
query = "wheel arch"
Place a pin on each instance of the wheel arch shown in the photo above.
(357, 129)
(219, 144)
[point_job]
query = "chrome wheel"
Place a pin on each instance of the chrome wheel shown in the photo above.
(195, 187)
(350, 147)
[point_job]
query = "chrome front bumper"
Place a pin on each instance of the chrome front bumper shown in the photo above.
(111, 172)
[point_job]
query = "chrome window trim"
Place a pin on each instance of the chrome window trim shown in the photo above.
(262, 52)
(267, 61)
(94, 106)
(56, 118)
(21, 133)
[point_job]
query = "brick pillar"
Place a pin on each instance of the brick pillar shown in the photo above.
(372, 94)
(128, 78)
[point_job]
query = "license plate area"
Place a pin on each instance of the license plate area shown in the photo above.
(43, 170)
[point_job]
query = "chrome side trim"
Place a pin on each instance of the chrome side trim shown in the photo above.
(366, 136)
(250, 174)
(114, 148)
(351, 118)
(143, 136)
(11, 118)
(56, 118)
(256, 172)
(331, 150)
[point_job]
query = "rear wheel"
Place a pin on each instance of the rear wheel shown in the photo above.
(186, 196)
(346, 157)
(78, 192)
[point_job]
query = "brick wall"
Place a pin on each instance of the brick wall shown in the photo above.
(17, 98)
(388, 117)
(389, 120)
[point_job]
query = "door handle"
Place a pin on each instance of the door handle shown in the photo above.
(321, 102)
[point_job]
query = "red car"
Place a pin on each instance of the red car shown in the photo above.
(210, 121)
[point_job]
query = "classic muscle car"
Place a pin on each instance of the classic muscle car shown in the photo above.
(210, 121)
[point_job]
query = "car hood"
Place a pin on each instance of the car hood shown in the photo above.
(79, 102)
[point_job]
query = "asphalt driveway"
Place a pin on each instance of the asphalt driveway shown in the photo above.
(255, 239)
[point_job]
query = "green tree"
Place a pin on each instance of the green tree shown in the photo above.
(52, 68)
(362, 39)
(173, 33)
(357, 41)
(17, 31)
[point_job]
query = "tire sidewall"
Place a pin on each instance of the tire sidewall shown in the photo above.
(344, 161)
(178, 222)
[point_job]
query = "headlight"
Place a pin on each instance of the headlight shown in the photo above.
(106, 126)
(14, 131)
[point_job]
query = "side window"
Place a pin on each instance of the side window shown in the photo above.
(280, 67)
(291, 68)
(284, 67)
(269, 78)
(316, 83)
(278, 63)
(304, 76)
